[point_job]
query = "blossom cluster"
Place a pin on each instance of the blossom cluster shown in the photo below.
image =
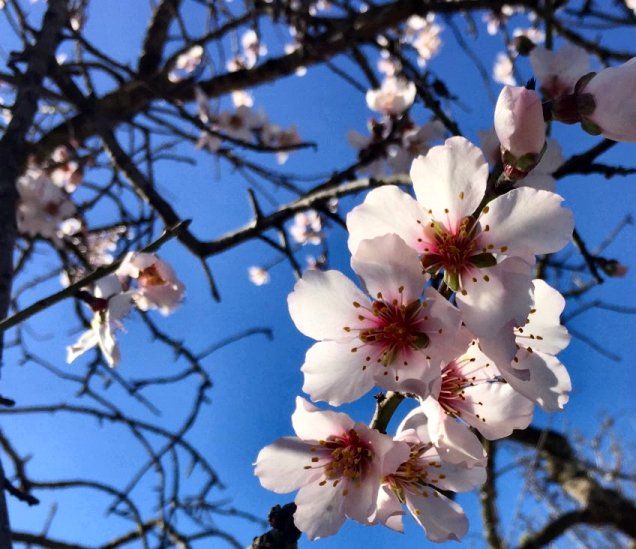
(142, 280)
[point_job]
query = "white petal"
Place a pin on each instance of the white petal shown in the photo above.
(390, 268)
(450, 180)
(321, 304)
(493, 297)
(500, 408)
(319, 510)
(548, 384)
(389, 510)
(526, 222)
(441, 518)
(334, 374)
(384, 211)
(280, 467)
(86, 341)
(311, 423)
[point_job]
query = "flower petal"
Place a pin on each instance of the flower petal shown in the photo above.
(450, 181)
(526, 222)
(384, 211)
(321, 304)
(319, 510)
(441, 518)
(390, 268)
(312, 423)
(334, 374)
(280, 467)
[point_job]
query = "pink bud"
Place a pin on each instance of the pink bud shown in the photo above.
(519, 122)
(615, 99)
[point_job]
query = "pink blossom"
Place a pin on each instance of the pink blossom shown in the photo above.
(486, 260)
(240, 123)
(273, 135)
(252, 47)
(335, 464)
(559, 71)
(258, 276)
(43, 206)
(394, 96)
(307, 228)
(67, 173)
(519, 124)
(469, 394)
(424, 35)
(614, 101)
(415, 141)
(110, 304)
(157, 284)
(418, 484)
(393, 339)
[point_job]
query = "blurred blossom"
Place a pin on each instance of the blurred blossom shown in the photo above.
(257, 275)
(291, 48)
(535, 35)
(273, 135)
(252, 48)
(494, 19)
(503, 70)
(424, 35)
(66, 173)
(559, 71)
(307, 228)
(394, 96)
(186, 64)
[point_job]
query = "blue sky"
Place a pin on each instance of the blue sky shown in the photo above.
(255, 380)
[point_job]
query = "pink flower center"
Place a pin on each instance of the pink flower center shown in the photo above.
(415, 474)
(451, 251)
(150, 277)
(344, 457)
(452, 390)
(395, 328)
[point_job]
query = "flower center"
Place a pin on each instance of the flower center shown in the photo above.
(415, 474)
(452, 390)
(452, 250)
(349, 457)
(150, 277)
(397, 327)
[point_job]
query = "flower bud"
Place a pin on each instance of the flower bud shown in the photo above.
(614, 112)
(520, 128)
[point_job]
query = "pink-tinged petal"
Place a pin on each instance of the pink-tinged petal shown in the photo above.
(543, 330)
(108, 286)
(320, 509)
(491, 298)
(280, 467)
(548, 383)
(411, 372)
(454, 441)
(415, 422)
(501, 348)
(495, 409)
(519, 121)
(441, 518)
(389, 454)
(321, 304)
(361, 499)
(526, 222)
(119, 305)
(448, 338)
(389, 510)
(457, 478)
(615, 106)
(386, 210)
(312, 423)
(389, 268)
(475, 366)
(450, 180)
(336, 375)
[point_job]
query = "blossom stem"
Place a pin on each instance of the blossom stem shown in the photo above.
(385, 409)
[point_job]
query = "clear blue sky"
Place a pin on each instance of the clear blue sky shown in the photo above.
(256, 381)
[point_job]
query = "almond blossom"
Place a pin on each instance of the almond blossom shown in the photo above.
(252, 47)
(558, 71)
(240, 123)
(258, 276)
(418, 484)
(394, 96)
(66, 173)
(469, 393)
(414, 142)
(503, 70)
(424, 35)
(393, 338)
(43, 206)
(366, 144)
(307, 228)
(485, 256)
(157, 284)
(110, 304)
(336, 465)
(273, 135)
